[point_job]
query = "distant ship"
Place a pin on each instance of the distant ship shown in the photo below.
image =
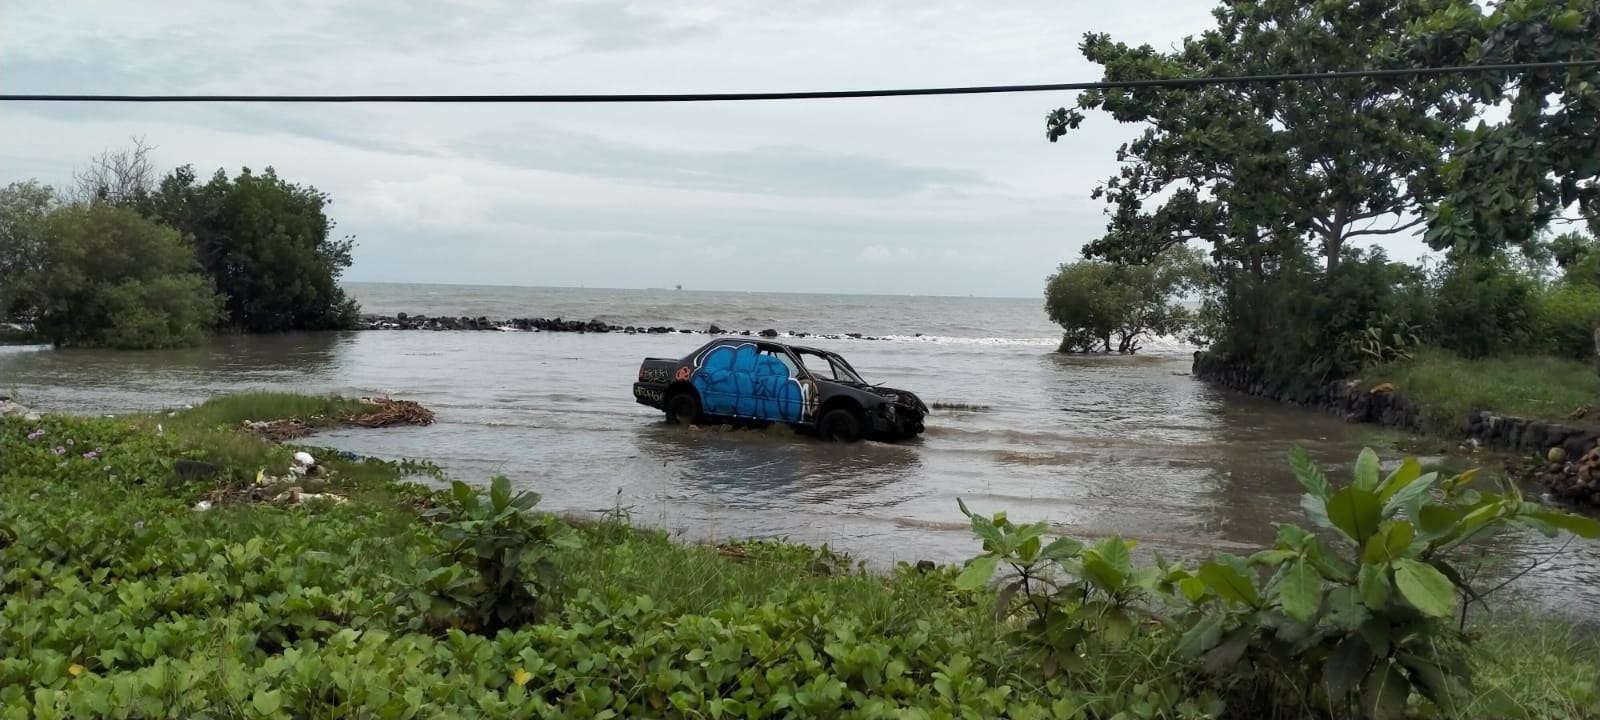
(680, 287)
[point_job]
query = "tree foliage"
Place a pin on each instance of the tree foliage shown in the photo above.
(266, 244)
(1102, 306)
(1256, 168)
(24, 206)
(102, 275)
(1508, 181)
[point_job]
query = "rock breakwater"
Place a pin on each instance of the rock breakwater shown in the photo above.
(405, 321)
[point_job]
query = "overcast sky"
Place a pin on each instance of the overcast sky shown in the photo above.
(944, 196)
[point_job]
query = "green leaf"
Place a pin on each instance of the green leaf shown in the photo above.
(1224, 656)
(1301, 591)
(1366, 473)
(1345, 609)
(1202, 637)
(1373, 584)
(1193, 589)
(1584, 527)
(1114, 550)
(1355, 513)
(1061, 549)
(1436, 520)
(464, 495)
(1431, 679)
(1316, 510)
(977, 572)
(1384, 693)
(1427, 589)
(1392, 541)
(500, 492)
(1306, 471)
(1229, 584)
(993, 540)
(1407, 496)
(1567, 21)
(1410, 469)
(1103, 574)
(1346, 666)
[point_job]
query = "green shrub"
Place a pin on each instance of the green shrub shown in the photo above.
(1484, 306)
(1568, 313)
(103, 275)
(1350, 619)
(1304, 325)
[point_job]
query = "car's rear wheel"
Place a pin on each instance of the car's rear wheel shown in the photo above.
(683, 408)
(840, 425)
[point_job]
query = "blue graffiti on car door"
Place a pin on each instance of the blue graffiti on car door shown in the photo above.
(740, 381)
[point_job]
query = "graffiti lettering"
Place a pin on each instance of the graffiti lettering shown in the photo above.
(653, 375)
(741, 381)
(684, 373)
(649, 394)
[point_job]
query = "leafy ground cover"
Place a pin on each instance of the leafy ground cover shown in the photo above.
(124, 600)
(1448, 387)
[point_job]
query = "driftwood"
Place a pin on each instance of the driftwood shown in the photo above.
(382, 412)
(390, 412)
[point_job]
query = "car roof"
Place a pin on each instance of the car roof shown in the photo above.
(791, 346)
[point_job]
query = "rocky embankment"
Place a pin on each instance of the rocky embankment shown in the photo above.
(1568, 456)
(10, 408)
(404, 321)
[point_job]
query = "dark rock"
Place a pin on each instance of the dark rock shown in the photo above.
(401, 317)
(714, 330)
(853, 335)
(769, 333)
(925, 566)
(185, 469)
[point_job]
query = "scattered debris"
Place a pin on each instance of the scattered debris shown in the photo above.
(203, 505)
(385, 413)
(295, 496)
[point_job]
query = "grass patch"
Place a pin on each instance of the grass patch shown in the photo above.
(122, 600)
(232, 410)
(1448, 387)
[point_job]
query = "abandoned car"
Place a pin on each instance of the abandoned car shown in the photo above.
(744, 380)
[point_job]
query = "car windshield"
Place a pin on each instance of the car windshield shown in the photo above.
(830, 367)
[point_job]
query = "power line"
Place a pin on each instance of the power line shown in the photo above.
(802, 94)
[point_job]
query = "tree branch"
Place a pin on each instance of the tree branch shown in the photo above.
(1387, 231)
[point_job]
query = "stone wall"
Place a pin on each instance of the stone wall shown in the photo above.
(1338, 397)
(1385, 407)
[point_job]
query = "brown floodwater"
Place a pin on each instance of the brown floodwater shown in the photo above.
(1095, 445)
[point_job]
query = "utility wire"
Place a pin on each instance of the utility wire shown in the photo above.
(798, 95)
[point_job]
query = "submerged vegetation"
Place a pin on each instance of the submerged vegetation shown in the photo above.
(123, 259)
(127, 596)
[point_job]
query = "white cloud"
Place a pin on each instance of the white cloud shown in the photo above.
(713, 195)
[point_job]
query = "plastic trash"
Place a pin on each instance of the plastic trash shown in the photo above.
(304, 458)
(203, 505)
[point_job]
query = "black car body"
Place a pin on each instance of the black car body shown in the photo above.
(741, 379)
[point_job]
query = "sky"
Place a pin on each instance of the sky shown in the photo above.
(920, 195)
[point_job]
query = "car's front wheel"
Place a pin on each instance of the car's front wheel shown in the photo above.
(840, 425)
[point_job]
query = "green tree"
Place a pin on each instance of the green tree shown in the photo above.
(24, 206)
(267, 245)
(106, 276)
(1254, 167)
(1106, 307)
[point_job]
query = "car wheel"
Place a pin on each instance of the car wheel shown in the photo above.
(683, 408)
(840, 425)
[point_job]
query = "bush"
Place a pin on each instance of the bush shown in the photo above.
(266, 244)
(1484, 306)
(106, 276)
(1351, 619)
(1303, 326)
(1567, 317)
(1109, 307)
